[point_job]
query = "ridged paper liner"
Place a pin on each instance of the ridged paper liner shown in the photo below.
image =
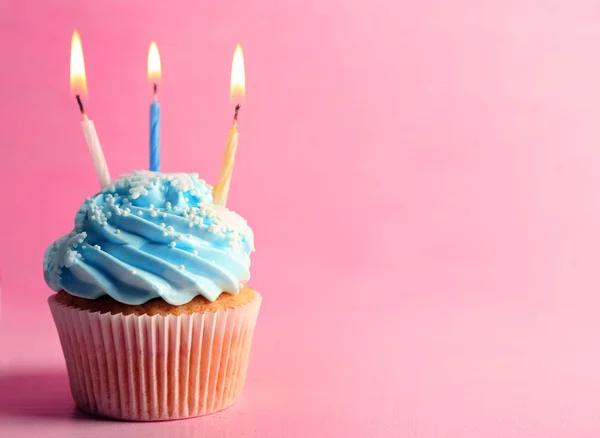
(149, 368)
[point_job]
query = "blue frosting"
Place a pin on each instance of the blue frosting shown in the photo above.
(152, 235)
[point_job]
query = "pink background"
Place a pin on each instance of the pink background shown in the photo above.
(423, 179)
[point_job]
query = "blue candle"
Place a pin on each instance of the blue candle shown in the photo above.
(154, 73)
(155, 135)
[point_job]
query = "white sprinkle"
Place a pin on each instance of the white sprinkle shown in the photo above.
(97, 247)
(172, 244)
(175, 208)
(109, 214)
(163, 225)
(104, 223)
(181, 267)
(133, 271)
(153, 213)
(127, 210)
(179, 236)
(140, 212)
(170, 228)
(164, 214)
(151, 206)
(165, 233)
(189, 236)
(117, 231)
(195, 252)
(79, 255)
(191, 224)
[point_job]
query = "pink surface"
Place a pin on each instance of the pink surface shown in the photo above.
(422, 178)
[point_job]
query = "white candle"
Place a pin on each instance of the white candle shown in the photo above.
(221, 190)
(91, 137)
(79, 89)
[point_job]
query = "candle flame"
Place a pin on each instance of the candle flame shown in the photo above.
(78, 82)
(154, 70)
(237, 90)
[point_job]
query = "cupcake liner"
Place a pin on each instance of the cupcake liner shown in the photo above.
(148, 368)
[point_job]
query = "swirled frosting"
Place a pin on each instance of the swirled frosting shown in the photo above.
(152, 235)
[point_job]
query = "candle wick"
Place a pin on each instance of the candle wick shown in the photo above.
(80, 103)
(237, 110)
(155, 89)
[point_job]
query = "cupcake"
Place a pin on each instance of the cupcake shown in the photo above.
(152, 309)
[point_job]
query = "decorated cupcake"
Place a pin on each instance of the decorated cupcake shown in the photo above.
(152, 308)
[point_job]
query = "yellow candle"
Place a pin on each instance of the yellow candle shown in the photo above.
(237, 92)
(221, 190)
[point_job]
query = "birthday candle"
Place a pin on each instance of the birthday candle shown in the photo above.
(221, 190)
(154, 76)
(79, 89)
(237, 92)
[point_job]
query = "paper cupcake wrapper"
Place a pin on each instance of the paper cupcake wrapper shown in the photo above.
(148, 368)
